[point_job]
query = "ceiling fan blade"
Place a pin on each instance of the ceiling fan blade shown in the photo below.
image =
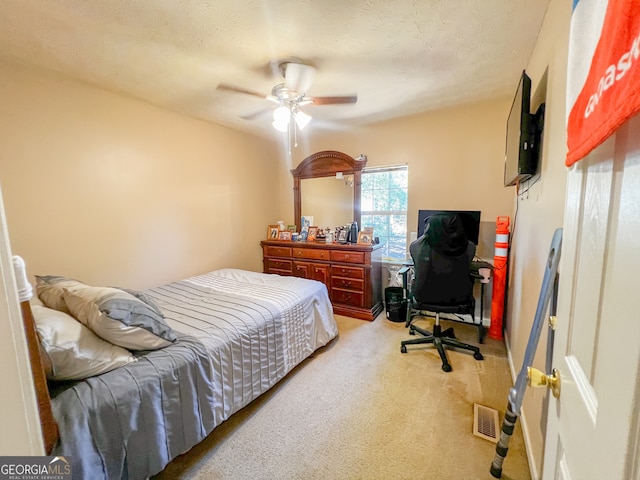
(256, 114)
(298, 76)
(232, 88)
(334, 100)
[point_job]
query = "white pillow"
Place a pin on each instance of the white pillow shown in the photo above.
(119, 317)
(75, 351)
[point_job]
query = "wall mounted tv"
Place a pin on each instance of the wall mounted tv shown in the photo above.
(524, 131)
(470, 220)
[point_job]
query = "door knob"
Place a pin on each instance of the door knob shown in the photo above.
(537, 378)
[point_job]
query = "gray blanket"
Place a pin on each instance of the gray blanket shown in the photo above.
(131, 422)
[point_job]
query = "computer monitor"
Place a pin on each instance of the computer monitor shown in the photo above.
(470, 220)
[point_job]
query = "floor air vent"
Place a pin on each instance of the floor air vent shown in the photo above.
(485, 422)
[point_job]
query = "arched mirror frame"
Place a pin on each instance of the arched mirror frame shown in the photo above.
(326, 164)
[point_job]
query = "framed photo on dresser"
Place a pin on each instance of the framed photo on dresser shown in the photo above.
(284, 235)
(364, 238)
(272, 232)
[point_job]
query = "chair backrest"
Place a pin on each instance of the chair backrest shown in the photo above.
(442, 264)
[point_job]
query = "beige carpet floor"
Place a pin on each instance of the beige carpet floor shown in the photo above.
(360, 409)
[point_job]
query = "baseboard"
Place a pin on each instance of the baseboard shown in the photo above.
(523, 420)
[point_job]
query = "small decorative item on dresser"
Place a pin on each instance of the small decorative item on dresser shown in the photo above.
(306, 221)
(284, 235)
(312, 233)
(272, 232)
(342, 236)
(291, 228)
(365, 236)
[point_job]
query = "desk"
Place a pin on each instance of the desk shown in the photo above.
(476, 265)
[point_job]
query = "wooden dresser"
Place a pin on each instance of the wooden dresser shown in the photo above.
(352, 273)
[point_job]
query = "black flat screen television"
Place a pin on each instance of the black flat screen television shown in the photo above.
(521, 157)
(470, 220)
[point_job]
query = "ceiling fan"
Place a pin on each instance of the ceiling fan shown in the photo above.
(291, 95)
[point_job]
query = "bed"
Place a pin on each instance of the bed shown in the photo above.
(237, 333)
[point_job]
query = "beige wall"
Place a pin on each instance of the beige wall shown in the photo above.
(112, 190)
(540, 212)
(455, 159)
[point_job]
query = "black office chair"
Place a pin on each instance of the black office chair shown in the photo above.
(442, 283)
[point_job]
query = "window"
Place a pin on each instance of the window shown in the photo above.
(384, 207)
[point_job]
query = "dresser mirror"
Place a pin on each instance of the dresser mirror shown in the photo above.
(317, 192)
(328, 199)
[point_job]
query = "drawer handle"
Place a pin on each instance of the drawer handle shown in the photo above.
(346, 257)
(347, 297)
(347, 284)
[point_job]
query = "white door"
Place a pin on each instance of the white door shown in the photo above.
(593, 429)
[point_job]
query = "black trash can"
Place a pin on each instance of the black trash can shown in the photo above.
(394, 304)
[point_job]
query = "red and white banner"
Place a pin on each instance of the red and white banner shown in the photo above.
(603, 74)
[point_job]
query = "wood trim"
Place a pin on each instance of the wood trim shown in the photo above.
(326, 164)
(49, 426)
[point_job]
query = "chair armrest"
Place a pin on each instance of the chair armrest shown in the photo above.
(404, 270)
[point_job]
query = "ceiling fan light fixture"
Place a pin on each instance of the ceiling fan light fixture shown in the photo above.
(281, 118)
(281, 127)
(302, 119)
(281, 114)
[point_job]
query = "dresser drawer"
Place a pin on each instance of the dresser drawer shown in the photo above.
(347, 257)
(348, 272)
(310, 253)
(276, 265)
(278, 251)
(347, 297)
(347, 283)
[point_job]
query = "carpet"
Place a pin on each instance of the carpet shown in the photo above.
(360, 409)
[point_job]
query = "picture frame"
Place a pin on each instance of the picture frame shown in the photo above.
(365, 238)
(284, 235)
(272, 232)
(342, 236)
(305, 222)
(291, 228)
(312, 233)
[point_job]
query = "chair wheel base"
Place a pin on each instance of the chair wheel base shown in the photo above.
(446, 367)
(403, 349)
(478, 356)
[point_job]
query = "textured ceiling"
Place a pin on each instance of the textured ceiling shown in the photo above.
(399, 56)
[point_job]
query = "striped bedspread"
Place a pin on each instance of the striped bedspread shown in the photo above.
(239, 334)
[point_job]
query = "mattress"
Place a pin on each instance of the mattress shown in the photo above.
(239, 333)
